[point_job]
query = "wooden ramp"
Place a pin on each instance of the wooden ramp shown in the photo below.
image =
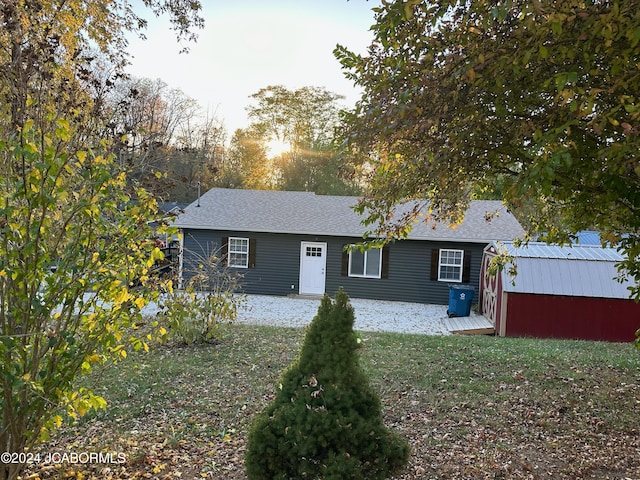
(472, 325)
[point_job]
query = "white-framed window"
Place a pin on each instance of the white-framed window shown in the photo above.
(365, 264)
(238, 252)
(450, 265)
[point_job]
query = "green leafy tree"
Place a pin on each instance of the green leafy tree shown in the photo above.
(326, 420)
(73, 234)
(72, 244)
(305, 120)
(539, 97)
(246, 164)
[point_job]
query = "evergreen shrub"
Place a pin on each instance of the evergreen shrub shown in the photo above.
(325, 421)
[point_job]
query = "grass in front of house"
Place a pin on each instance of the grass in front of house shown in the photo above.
(471, 407)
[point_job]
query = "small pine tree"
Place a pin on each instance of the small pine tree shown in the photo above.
(326, 421)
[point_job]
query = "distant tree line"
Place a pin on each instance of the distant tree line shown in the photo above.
(168, 144)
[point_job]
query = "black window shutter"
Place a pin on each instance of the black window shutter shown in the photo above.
(435, 259)
(344, 271)
(224, 250)
(466, 267)
(385, 261)
(252, 253)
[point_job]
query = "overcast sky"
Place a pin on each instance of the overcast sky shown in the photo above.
(251, 44)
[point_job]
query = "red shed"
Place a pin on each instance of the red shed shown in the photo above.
(558, 292)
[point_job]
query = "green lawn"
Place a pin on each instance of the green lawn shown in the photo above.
(471, 407)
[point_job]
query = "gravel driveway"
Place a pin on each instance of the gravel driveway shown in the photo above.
(371, 315)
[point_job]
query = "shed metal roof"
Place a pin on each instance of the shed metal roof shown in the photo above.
(307, 213)
(566, 252)
(578, 270)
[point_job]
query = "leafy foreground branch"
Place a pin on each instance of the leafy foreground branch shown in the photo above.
(72, 242)
(532, 102)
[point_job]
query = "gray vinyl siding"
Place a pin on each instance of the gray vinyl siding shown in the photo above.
(277, 259)
(409, 277)
(277, 266)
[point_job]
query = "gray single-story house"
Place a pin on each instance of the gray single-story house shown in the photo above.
(295, 243)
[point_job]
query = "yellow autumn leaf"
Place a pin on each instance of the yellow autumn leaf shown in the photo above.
(156, 254)
(92, 358)
(122, 297)
(81, 409)
(57, 421)
(97, 402)
(140, 302)
(30, 148)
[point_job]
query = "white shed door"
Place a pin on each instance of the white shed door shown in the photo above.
(313, 265)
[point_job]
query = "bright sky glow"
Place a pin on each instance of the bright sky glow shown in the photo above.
(277, 147)
(252, 44)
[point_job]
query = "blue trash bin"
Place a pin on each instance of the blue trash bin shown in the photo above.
(460, 298)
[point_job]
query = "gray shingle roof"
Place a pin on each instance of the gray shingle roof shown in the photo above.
(578, 270)
(307, 213)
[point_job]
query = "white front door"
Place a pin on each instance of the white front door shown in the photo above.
(313, 265)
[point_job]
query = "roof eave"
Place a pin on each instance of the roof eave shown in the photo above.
(330, 234)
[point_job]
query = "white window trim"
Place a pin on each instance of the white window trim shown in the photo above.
(230, 252)
(460, 266)
(364, 275)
